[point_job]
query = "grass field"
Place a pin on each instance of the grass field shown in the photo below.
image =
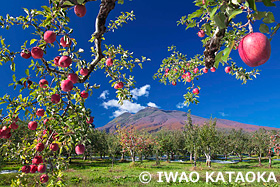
(100, 173)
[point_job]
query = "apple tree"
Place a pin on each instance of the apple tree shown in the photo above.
(53, 92)
(221, 31)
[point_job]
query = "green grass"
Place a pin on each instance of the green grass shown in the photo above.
(100, 173)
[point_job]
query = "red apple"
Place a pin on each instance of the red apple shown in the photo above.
(55, 98)
(43, 83)
(42, 168)
(174, 83)
(65, 61)
(49, 36)
(25, 169)
(13, 125)
(32, 125)
(196, 70)
(44, 178)
(66, 43)
(119, 85)
(56, 60)
(80, 10)
(212, 69)
(40, 112)
(25, 54)
(73, 77)
(205, 70)
(84, 72)
(166, 70)
(201, 33)
(54, 147)
(203, 2)
(37, 160)
(67, 85)
(33, 168)
(84, 94)
(227, 69)
(46, 120)
(37, 52)
(80, 149)
(254, 49)
(109, 62)
(40, 147)
(90, 121)
(195, 91)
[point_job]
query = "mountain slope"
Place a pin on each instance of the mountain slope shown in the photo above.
(154, 119)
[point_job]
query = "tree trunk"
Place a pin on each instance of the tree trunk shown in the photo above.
(226, 156)
(172, 156)
(122, 157)
(191, 157)
(167, 156)
(100, 155)
(113, 160)
(241, 157)
(132, 156)
(194, 161)
(269, 160)
(260, 159)
(157, 159)
(141, 157)
(85, 157)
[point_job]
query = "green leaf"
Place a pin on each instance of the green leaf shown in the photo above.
(32, 41)
(81, 1)
(264, 28)
(68, 3)
(27, 72)
(13, 66)
(258, 15)
(268, 3)
(213, 12)
(14, 77)
(269, 18)
(252, 4)
(235, 13)
(220, 20)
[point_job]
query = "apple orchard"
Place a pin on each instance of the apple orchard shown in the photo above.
(56, 119)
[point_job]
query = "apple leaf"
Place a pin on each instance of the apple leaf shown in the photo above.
(235, 13)
(68, 3)
(213, 12)
(13, 66)
(220, 20)
(32, 41)
(258, 15)
(252, 4)
(268, 3)
(264, 28)
(81, 1)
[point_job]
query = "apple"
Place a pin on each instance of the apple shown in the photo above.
(73, 77)
(80, 149)
(33, 168)
(119, 85)
(37, 52)
(49, 36)
(40, 112)
(29, 83)
(67, 85)
(40, 147)
(55, 98)
(195, 91)
(65, 61)
(46, 121)
(56, 60)
(13, 125)
(84, 72)
(205, 70)
(184, 76)
(84, 94)
(32, 125)
(80, 10)
(66, 43)
(203, 2)
(37, 160)
(201, 33)
(25, 54)
(174, 83)
(55, 136)
(166, 70)
(227, 69)
(188, 74)
(90, 121)
(5, 130)
(43, 83)
(254, 49)
(25, 169)
(42, 168)
(212, 69)
(44, 178)
(109, 62)
(196, 70)
(54, 147)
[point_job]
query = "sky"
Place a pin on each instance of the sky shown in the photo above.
(155, 28)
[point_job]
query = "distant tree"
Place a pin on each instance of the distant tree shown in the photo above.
(224, 142)
(166, 141)
(261, 141)
(114, 146)
(192, 138)
(208, 139)
(239, 141)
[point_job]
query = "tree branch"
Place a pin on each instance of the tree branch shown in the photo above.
(51, 69)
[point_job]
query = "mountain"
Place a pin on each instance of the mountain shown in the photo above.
(154, 119)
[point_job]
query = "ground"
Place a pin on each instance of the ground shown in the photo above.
(101, 173)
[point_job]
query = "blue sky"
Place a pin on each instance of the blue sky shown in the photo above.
(155, 28)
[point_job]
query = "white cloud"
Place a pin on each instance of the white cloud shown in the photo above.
(223, 114)
(127, 106)
(150, 104)
(104, 94)
(143, 91)
(181, 105)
